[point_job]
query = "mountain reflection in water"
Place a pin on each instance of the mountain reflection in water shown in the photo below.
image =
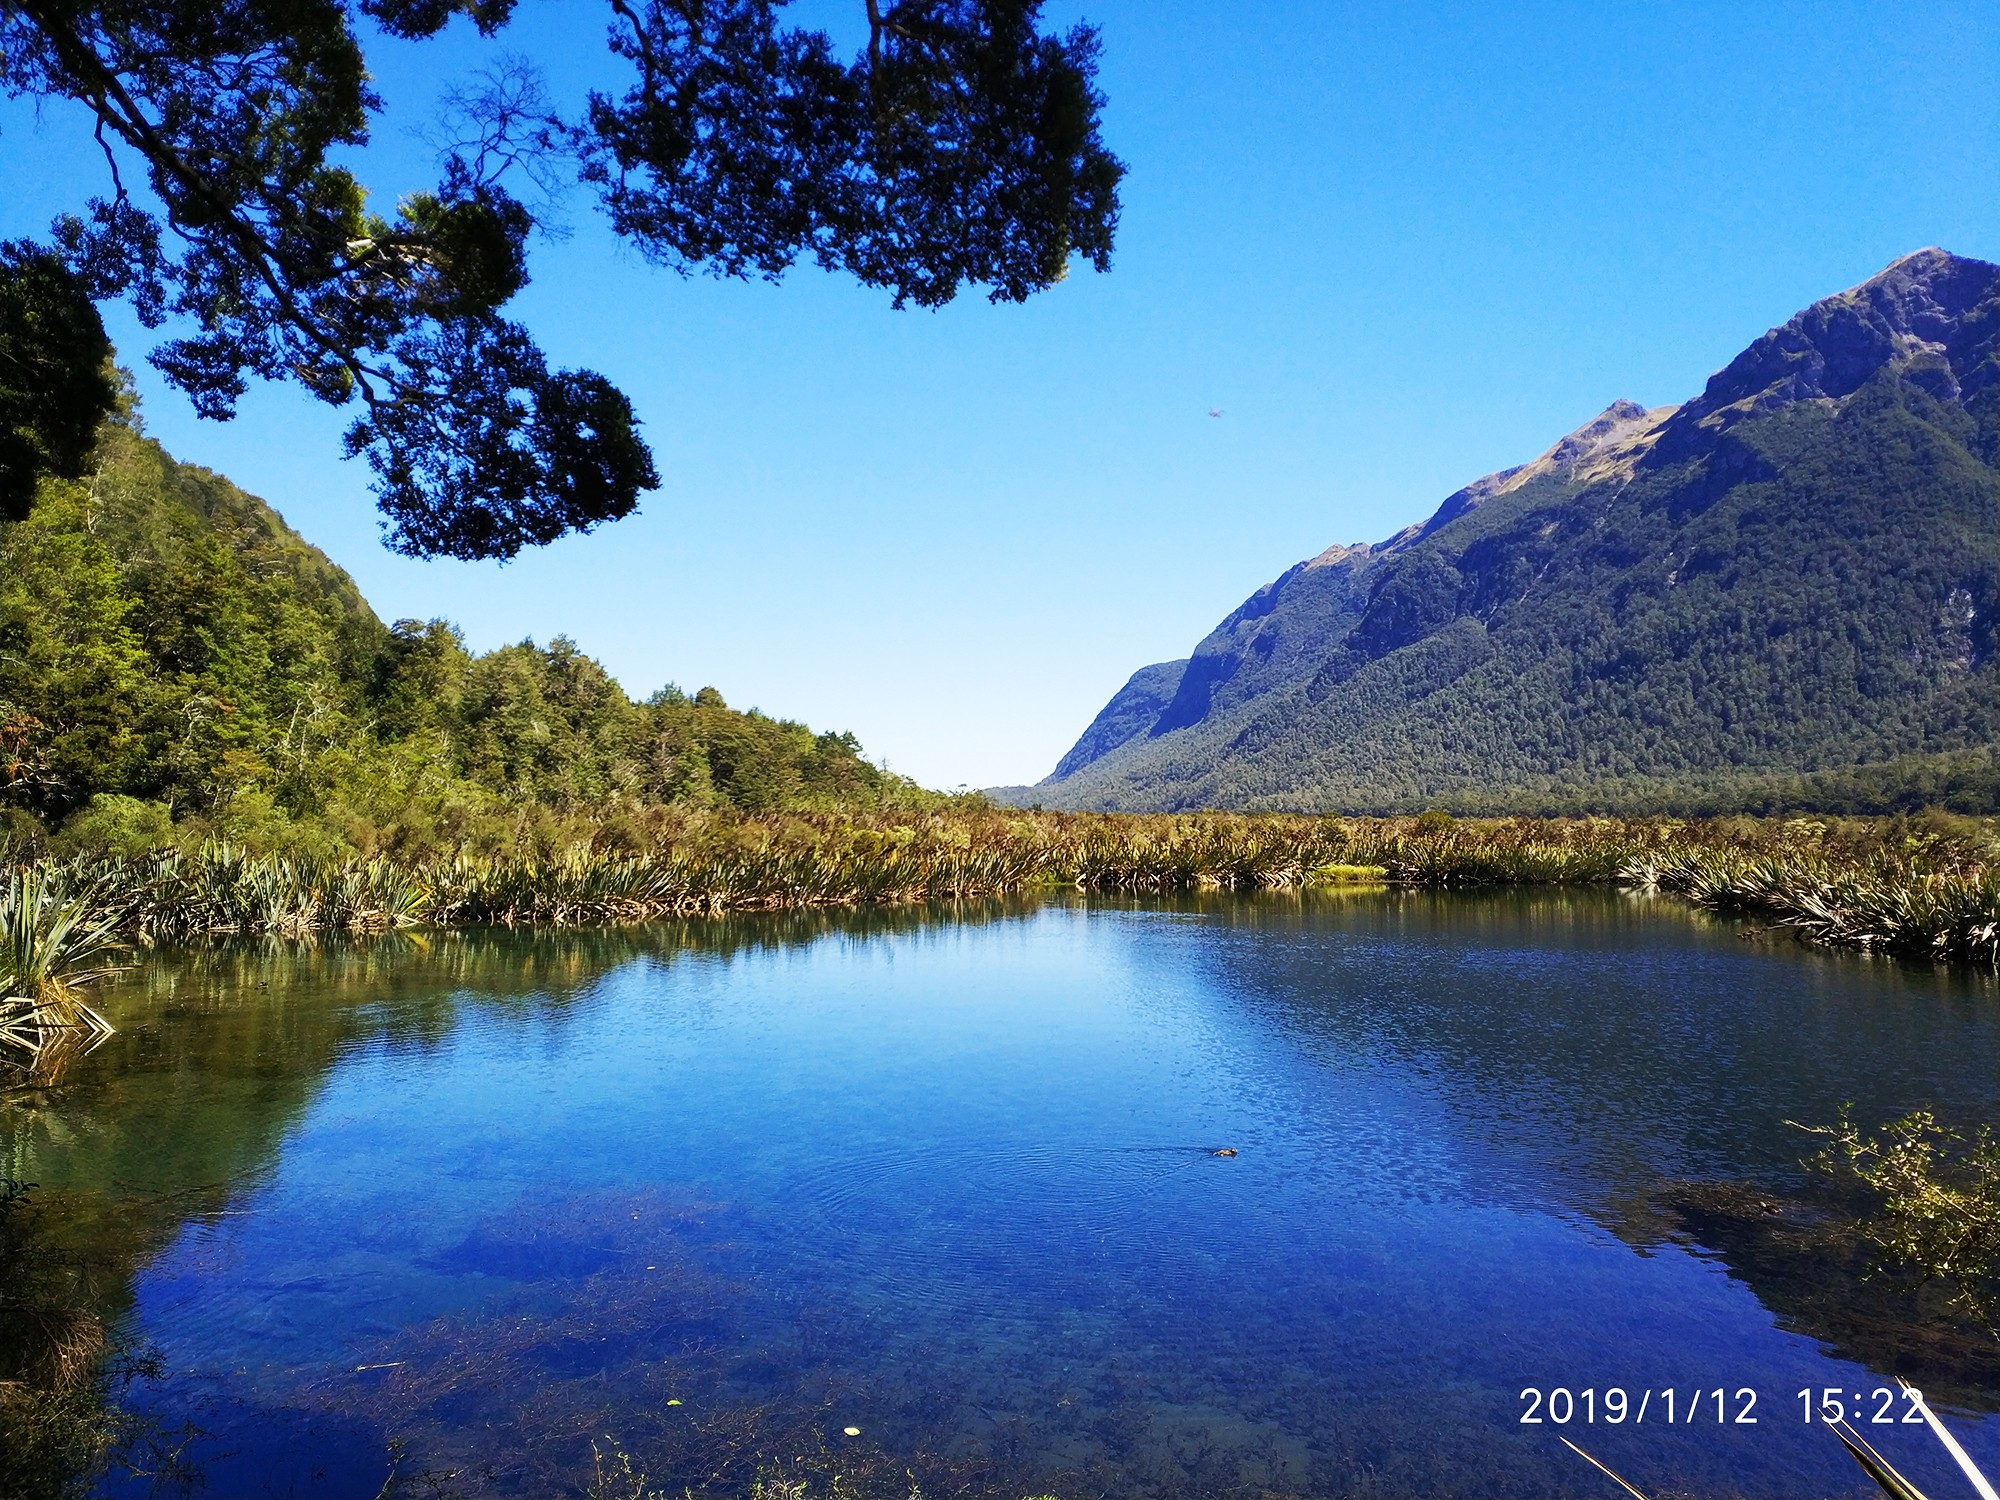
(714, 1192)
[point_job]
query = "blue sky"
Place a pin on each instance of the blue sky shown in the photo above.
(1397, 245)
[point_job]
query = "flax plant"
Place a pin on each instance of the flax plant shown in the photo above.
(1866, 1456)
(54, 942)
(1856, 886)
(1879, 904)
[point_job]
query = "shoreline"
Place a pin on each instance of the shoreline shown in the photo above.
(1876, 885)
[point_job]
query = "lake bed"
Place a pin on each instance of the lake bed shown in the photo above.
(712, 1193)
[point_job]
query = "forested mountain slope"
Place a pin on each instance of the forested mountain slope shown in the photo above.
(1780, 593)
(171, 651)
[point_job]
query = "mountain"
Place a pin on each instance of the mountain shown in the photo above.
(172, 653)
(1781, 593)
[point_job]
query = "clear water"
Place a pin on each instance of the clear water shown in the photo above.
(711, 1194)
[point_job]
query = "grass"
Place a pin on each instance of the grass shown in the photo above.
(1886, 884)
(56, 937)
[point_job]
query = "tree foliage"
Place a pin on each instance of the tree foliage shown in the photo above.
(960, 147)
(171, 654)
(1936, 1202)
(56, 382)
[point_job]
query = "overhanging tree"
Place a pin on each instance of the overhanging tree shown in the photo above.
(56, 382)
(960, 147)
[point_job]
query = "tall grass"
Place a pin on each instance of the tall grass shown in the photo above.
(1863, 885)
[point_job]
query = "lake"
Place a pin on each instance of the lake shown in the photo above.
(711, 1194)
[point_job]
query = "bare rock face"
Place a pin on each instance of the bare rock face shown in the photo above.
(1614, 433)
(1797, 572)
(1615, 421)
(1930, 317)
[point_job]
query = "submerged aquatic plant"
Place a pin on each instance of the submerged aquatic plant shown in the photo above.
(64, 1371)
(1937, 1214)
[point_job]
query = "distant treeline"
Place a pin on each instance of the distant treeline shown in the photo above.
(1959, 781)
(176, 663)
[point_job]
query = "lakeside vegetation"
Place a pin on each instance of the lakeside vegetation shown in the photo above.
(204, 729)
(1926, 886)
(825, 869)
(1932, 1199)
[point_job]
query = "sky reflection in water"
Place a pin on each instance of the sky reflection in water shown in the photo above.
(952, 1182)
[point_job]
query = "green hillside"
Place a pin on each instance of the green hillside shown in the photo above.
(172, 653)
(1780, 594)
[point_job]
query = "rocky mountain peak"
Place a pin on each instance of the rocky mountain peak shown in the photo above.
(1655, 608)
(1598, 438)
(1618, 420)
(1338, 553)
(1931, 315)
